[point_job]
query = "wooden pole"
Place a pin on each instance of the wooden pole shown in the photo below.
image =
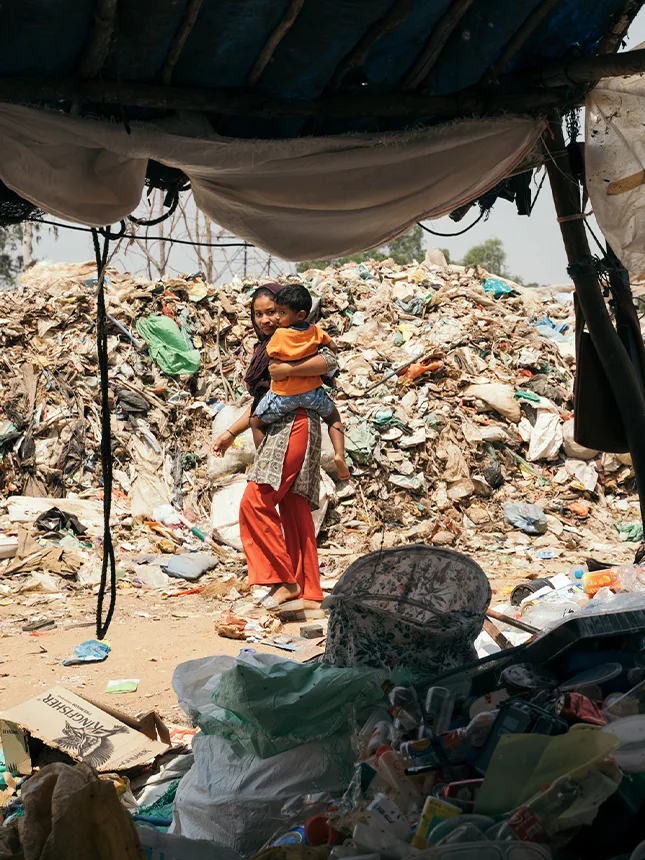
(245, 102)
(613, 355)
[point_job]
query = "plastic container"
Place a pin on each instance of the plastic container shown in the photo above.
(481, 822)
(630, 731)
(593, 582)
(390, 767)
(384, 814)
(537, 819)
(439, 705)
(434, 812)
(596, 677)
(518, 718)
(617, 706)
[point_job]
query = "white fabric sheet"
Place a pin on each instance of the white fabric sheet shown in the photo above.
(299, 199)
(615, 165)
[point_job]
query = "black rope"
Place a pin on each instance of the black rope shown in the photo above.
(142, 222)
(106, 445)
(108, 234)
(460, 233)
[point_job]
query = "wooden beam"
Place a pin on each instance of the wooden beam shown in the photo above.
(396, 14)
(512, 622)
(587, 70)
(250, 104)
(98, 46)
(264, 57)
(179, 40)
(521, 36)
(438, 38)
(619, 26)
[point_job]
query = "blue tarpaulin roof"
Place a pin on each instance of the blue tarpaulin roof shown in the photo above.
(46, 40)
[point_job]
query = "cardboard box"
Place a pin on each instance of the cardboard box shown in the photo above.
(103, 738)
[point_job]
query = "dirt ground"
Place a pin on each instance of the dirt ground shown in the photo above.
(147, 648)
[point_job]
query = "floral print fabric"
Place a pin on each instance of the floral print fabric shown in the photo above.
(417, 608)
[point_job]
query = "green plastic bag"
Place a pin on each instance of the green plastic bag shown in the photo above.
(360, 441)
(271, 709)
(170, 347)
(630, 531)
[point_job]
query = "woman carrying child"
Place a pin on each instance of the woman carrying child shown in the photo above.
(276, 525)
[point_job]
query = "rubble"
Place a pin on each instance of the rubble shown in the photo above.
(477, 418)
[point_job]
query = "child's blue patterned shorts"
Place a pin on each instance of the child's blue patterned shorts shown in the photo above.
(275, 406)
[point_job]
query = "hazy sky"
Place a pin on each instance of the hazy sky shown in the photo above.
(533, 245)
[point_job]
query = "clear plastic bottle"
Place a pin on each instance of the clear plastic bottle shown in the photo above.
(631, 578)
(405, 705)
(577, 571)
(537, 819)
(439, 705)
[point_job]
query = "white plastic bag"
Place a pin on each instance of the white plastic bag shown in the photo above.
(499, 397)
(546, 435)
(234, 798)
(242, 451)
(225, 508)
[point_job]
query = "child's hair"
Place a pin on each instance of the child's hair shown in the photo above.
(294, 297)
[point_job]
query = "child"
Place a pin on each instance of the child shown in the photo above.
(294, 340)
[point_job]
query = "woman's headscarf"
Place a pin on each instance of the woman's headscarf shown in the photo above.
(257, 377)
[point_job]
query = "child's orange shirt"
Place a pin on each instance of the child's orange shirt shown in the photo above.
(294, 344)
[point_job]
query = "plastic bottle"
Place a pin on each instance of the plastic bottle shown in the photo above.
(631, 578)
(577, 571)
(439, 706)
(537, 819)
(405, 706)
(390, 767)
(382, 735)
(456, 745)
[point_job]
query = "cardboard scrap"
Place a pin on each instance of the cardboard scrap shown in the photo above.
(64, 721)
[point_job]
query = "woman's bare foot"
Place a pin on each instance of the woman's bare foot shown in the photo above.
(282, 593)
(341, 467)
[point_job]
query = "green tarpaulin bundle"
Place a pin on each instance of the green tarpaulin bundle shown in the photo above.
(170, 347)
(269, 709)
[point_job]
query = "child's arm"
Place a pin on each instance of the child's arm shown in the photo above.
(313, 366)
(333, 346)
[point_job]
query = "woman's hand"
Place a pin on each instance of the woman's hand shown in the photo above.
(221, 445)
(279, 370)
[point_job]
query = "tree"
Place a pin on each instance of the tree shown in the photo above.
(404, 249)
(490, 255)
(10, 256)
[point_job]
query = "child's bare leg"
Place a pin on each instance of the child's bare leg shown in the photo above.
(257, 429)
(337, 437)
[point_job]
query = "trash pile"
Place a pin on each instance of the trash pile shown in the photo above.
(536, 754)
(455, 389)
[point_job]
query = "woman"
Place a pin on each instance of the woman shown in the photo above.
(280, 547)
